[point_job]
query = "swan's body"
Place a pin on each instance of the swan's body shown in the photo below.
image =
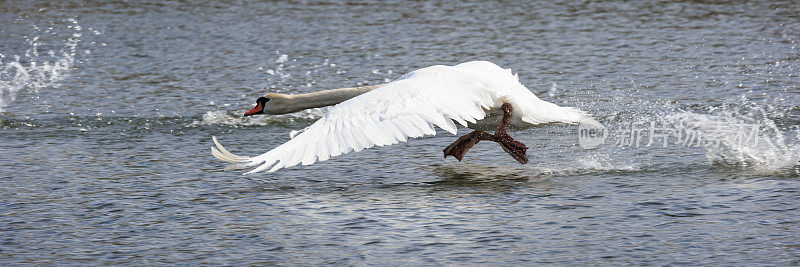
(470, 94)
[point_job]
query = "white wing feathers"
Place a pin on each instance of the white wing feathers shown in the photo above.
(408, 107)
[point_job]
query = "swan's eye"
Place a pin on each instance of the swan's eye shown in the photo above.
(262, 100)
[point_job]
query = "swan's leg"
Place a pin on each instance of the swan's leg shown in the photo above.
(513, 147)
(460, 147)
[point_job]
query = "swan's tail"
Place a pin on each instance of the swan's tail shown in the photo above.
(546, 112)
(223, 154)
(578, 116)
(582, 118)
(574, 115)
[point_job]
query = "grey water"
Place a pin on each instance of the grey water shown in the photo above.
(107, 109)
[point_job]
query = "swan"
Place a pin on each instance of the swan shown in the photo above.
(478, 95)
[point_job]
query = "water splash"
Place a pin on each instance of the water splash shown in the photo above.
(605, 163)
(36, 69)
(772, 143)
(286, 72)
(553, 90)
(760, 138)
(280, 72)
(229, 118)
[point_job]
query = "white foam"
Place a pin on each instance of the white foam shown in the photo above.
(35, 70)
(595, 162)
(766, 144)
(229, 118)
(773, 148)
(604, 163)
(769, 150)
(282, 58)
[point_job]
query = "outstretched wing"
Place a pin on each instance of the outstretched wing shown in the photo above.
(408, 107)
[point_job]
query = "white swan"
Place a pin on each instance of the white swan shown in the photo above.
(477, 94)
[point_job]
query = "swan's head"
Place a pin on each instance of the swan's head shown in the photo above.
(277, 105)
(261, 102)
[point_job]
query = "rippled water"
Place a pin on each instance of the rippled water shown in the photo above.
(107, 111)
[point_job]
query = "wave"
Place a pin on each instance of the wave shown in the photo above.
(229, 118)
(122, 124)
(37, 69)
(482, 171)
(217, 118)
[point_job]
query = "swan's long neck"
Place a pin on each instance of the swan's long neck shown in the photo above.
(294, 103)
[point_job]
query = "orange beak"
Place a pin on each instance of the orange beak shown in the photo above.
(256, 110)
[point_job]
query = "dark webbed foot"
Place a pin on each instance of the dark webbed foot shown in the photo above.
(460, 147)
(514, 148)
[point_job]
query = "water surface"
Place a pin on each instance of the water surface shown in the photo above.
(108, 108)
